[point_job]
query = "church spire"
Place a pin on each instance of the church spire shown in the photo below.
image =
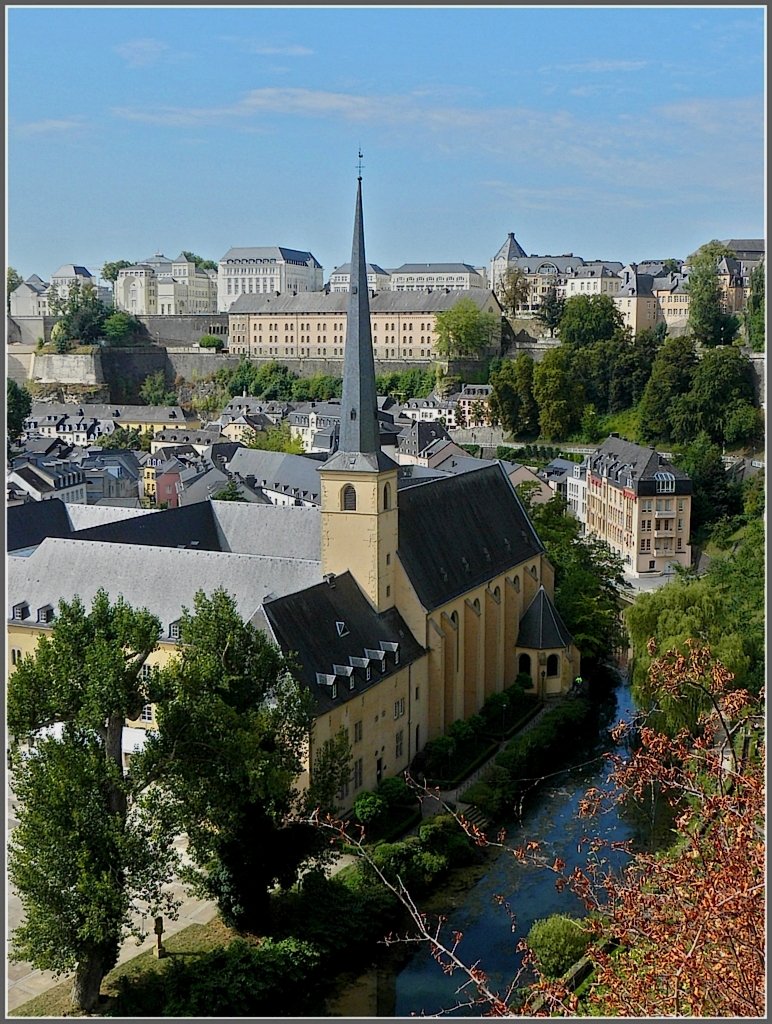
(359, 444)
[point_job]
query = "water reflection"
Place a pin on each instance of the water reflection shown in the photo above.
(490, 935)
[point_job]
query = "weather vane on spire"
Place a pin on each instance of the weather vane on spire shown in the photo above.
(359, 165)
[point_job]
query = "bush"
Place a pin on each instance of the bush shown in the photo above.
(557, 942)
(211, 341)
(409, 862)
(395, 791)
(239, 980)
(369, 807)
(443, 835)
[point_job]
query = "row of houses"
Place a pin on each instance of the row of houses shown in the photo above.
(646, 292)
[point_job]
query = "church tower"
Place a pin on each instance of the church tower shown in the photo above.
(359, 482)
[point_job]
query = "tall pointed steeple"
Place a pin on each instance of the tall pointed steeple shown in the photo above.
(359, 445)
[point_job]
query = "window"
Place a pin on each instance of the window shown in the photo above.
(15, 655)
(21, 611)
(357, 732)
(349, 499)
(146, 714)
(664, 482)
(553, 665)
(398, 743)
(387, 496)
(358, 773)
(399, 707)
(174, 631)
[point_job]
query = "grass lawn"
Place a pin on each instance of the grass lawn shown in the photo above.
(189, 942)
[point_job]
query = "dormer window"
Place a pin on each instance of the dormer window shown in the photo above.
(21, 610)
(174, 630)
(46, 613)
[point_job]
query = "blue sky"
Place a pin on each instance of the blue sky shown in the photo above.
(622, 133)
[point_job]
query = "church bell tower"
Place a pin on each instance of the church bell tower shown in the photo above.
(359, 482)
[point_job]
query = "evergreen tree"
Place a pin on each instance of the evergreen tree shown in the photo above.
(550, 312)
(671, 376)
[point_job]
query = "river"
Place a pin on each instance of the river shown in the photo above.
(550, 817)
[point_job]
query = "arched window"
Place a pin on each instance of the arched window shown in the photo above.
(553, 665)
(524, 664)
(516, 583)
(387, 496)
(349, 499)
(476, 604)
(497, 593)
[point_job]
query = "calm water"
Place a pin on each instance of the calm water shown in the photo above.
(551, 818)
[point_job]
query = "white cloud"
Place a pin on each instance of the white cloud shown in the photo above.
(598, 66)
(51, 126)
(140, 53)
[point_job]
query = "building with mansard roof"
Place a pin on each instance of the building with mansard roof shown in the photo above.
(401, 594)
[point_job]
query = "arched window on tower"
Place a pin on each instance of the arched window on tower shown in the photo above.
(454, 620)
(553, 665)
(349, 499)
(386, 496)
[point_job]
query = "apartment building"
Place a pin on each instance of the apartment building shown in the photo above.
(593, 279)
(313, 325)
(378, 279)
(640, 504)
(161, 286)
(418, 276)
(33, 297)
(473, 406)
(635, 298)
(266, 270)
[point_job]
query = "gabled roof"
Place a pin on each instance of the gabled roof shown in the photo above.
(274, 252)
(417, 302)
(455, 533)
(372, 268)
(307, 623)
(287, 473)
(189, 526)
(541, 627)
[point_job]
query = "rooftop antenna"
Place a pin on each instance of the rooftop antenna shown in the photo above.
(359, 165)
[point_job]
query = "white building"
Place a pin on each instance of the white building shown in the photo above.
(30, 298)
(593, 279)
(421, 276)
(576, 492)
(504, 260)
(33, 297)
(159, 285)
(266, 270)
(378, 279)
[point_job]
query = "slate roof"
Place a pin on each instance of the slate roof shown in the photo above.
(510, 250)
(416, 302)
(307, 623)
(289, 531)
(417, 437)
(630, 465)
(189, 526)
(29, 524)
(293, 475)
(345, 269)
(171, 414)
(276, 252)
(435, 268)
(456, 533)
(541, 627)
(164, 580)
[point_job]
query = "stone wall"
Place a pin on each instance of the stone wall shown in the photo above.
(26, 330)
(184, 329)
(67, 369)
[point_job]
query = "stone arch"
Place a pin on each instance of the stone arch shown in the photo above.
(524, 664)
(387, 496)
(553, 665)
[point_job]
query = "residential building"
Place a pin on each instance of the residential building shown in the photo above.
(422, 276)
(317, 426)
(266, 270)
(162, 286)
(30, 298)
(576, 492)
(87, 420)
(473, 406)
(33, 297)
(313, 325)
(672, 298)
(635, 298)
(431, 409)
(640, 504)
(378, 279)
(171, 437)
(42, 480)
(592, 279)
(416, 439)
(68, 274)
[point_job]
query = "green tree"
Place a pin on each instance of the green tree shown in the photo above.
(512, 290)
(232, 736)
(550, 312)
(12, 281)
(154, 392)
(275, 439)
(714, 496)
(646, 344)
(671, 376)
(201, 263)
(82, 312)
(125, 439)
(708, 323)
(110, 271)
(465, 330)
(755, 324)
(211, 341)
(589, 318)
(230, 492)
(557, 943)
(86, 855)
(17, 409)
(558, 394)
(723, 378)
(120, 328)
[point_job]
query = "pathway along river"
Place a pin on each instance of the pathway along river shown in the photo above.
(551, 818)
